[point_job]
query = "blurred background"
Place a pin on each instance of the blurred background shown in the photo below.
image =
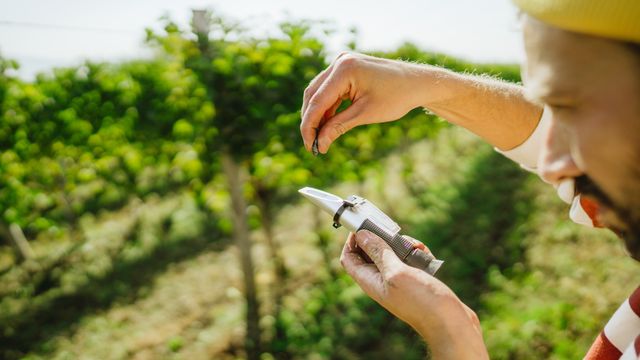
(149, 161)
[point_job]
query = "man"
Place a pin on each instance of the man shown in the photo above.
(576, 122)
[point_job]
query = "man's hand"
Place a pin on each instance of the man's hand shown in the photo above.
(451, 329)
(384, 90)
(380, 90)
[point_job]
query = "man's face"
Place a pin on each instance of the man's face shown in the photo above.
(591, 87)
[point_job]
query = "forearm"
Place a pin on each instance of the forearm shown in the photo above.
(495, 110)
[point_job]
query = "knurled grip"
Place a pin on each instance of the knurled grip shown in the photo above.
(404, 248)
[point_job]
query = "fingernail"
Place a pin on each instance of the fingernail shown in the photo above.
(323, 145)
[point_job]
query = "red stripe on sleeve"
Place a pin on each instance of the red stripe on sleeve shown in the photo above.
(636, 345)
(603, 349)
(634, 301)
(591, 208)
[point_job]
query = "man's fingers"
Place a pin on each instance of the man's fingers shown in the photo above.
(327, 94)
(306, 128)
(378, 250)
(317, 81)
(365, 274)
(313, 87)
(332, 110)
(308, 131)
(350, 252)
(340, 124)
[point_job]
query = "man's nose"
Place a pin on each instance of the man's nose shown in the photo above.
(555, 162)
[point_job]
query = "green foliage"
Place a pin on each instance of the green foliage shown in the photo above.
(175, 344)
(477, 219)
(5, 79)
(339, 321)
(252, 81)
(85, 139)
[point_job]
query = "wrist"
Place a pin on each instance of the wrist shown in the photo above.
(456, 336)
(416, 82)
(432, 85)
(457, 347)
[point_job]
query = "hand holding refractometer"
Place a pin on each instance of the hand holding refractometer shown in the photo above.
(357, 213)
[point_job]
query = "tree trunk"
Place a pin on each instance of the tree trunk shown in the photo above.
(280, 272)
(18, 241)
(235, 179)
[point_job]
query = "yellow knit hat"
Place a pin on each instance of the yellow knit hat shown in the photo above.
(617, 19)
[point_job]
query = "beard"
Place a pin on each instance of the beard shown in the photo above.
(628, 226)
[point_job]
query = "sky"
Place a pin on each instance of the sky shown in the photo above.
(42, 34)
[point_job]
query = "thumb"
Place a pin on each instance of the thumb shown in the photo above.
(340, 124)
(378, 250)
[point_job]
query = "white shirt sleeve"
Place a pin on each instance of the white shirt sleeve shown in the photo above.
(527, 153)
